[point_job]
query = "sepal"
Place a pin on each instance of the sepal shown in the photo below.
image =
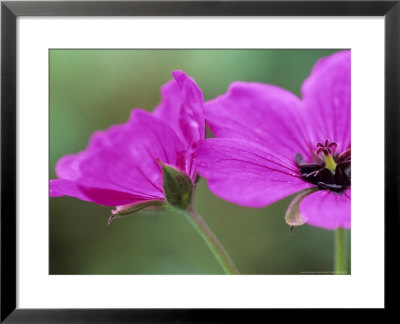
(178, 187)
(131, 209)
(293, 216)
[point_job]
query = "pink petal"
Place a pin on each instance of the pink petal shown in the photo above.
(327, 99)
(61, 187)
(327, 209)
(246, 173)
(68, 167)
(260, 113)
(191, 115)
(108, 197)
(182, 107)
(125, 169)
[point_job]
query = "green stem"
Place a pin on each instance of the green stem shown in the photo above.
(340, 252)
(209, 237)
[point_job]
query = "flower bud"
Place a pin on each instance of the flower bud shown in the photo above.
(178, 187)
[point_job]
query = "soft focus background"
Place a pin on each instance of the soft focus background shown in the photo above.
(93, 89)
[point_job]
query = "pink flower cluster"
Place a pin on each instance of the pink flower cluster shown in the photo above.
(268, 144)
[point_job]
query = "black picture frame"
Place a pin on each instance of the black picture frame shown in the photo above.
(10, 10)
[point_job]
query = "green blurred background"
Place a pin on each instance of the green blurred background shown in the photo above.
(93, 89)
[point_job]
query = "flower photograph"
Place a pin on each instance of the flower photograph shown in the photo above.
(200, 161)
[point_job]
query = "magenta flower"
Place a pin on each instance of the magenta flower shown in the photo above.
(124, 165)
(270, 144)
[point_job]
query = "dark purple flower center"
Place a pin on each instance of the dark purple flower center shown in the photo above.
(329, 170)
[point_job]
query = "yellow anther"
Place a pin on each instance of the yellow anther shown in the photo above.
(330, 163)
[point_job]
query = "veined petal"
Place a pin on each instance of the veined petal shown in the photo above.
(68, 167)
(182, 107)
(260, 113)
(127, 163)
(327, 209)
(246, 173)
(109, 197)
(191, 115)
(327, 99)
(62, 187)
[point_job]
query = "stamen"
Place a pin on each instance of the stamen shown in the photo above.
(328, 148)
(330, 171)
(330, 163)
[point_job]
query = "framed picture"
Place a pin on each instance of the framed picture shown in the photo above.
(149, 148)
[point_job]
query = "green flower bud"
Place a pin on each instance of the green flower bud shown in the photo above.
(178, 187)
